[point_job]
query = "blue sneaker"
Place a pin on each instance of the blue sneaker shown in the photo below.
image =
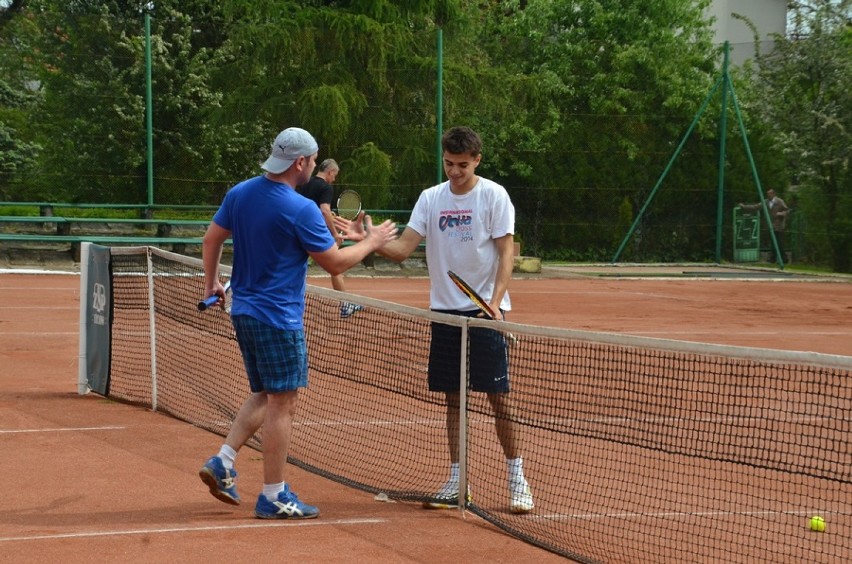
(348, 309)
(287, 506)
(220, 480)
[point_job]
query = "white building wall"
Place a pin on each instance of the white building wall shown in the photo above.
(769, 16)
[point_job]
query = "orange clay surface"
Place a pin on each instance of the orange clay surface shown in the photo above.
(90, 480)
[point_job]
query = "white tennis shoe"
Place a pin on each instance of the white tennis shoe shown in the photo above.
(521, 499)
(447, 497)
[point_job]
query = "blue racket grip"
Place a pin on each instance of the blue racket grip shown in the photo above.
(211, 301)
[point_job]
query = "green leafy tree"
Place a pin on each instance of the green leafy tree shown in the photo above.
(92, 118)
(358, 75)
(19, 95)
(596, 95)
(89, 119)
(9, 9)
(804, 93)
(580, 104)
(16, 154)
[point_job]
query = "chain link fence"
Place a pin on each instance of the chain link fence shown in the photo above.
(578, 178)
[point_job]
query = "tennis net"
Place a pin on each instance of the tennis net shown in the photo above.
(635, 449)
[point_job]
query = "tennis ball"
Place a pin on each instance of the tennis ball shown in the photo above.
(817, 524)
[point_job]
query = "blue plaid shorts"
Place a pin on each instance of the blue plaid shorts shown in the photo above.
(276, 360)
(487, 352)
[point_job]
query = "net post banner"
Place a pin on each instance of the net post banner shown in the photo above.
(82, 368)
(746, 236)
(98, 309)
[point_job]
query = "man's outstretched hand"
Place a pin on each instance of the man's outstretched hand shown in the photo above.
(351, 230)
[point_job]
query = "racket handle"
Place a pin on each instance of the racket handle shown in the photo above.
(211, 301)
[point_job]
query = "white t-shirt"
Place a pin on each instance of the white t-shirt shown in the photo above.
(460, 233)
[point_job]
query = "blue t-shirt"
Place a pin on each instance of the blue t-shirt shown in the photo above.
(273, 229)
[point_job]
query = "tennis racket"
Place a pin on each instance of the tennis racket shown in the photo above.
(471, 293)
(348, 204)
(211, 301)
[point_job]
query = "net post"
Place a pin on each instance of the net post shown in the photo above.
(82, 356)
(152, 328)
(463, 364)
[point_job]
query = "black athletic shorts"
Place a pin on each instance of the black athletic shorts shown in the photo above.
(487, 351)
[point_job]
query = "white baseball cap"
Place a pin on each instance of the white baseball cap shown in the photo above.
(290, 144)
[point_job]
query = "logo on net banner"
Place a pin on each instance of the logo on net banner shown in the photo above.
(99, 304)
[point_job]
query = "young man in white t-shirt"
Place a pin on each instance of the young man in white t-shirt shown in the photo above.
(468, 223)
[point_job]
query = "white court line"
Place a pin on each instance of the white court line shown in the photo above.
(36, 271)
(41, 289)
(371, 423)
(728, 332)
(533, 291)
(374, 422)
(53, 307)
(679, 421)
(39, 333)
(643, 294)
(668, 515)
(275, 524)
(668, 421)
(61, 430)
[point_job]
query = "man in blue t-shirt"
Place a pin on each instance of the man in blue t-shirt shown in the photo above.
(274, 231)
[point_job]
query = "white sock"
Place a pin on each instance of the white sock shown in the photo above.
(515, 466)
(454, 472)
(271, 491)
(228, 456)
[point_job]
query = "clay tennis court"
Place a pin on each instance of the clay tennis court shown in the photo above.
(92, 479)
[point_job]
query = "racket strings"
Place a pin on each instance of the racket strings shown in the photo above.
(348, 205)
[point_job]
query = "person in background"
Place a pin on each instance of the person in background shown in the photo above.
(320, 191)
(274, 230)
(468, 223)
(778, 213)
